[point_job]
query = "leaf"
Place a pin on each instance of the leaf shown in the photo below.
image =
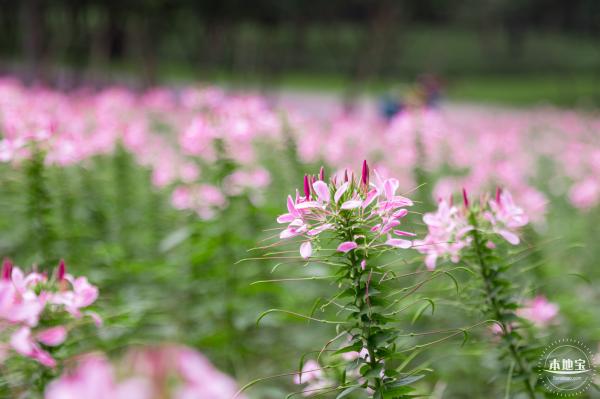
(421, 309)
(405, 381)
(350, 348)
(174, 239)
(346, 392)
(581, 276)
(373, 372)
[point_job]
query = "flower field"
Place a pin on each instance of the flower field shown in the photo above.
(195, 242)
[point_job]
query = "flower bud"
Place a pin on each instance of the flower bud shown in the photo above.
(465, 198)
(365, 174)
(306, 187)
(61, 270)
(7, 267)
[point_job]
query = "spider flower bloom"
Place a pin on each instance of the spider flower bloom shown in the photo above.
(27, 299)
(448, 234)
(539, 311)
(449, 227)
(505, 217)
(165, 371)
(332, 205)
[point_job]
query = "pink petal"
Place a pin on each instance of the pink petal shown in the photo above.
(52, 336)
(340, 191)
(319, 229)
(509, 236)
(285, 218)
(306, 250)
(352, 204)
(309, 204)
(390, 186)
(21, 341)
(363, 264)
(290, 204)
(370, 197)
(404, 233)
(430, 261)
(347, 246)
(399, 243)
(322, 191)
(44, 358)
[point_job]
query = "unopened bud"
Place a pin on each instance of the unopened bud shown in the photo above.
(7, 268)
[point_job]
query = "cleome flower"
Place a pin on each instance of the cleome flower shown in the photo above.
(448, 234)
(449, 227)
(27, 299)
(331, 205)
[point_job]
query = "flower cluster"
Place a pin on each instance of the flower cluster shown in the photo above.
(168, 371)
(26, 299)
(360, 219)
(538, 311)
(327, 206)
(449, 226)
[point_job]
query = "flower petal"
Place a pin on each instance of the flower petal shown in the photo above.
(399, 243)
(306, 249)
(322, 191)
(352, 204)
(509, 236)
(404, 233)
(340, 191)
(53, 336)
(347, 246)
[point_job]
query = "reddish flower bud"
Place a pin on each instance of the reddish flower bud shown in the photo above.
(61, 270)
(7, 267)
(498, 193)
(322, 174)
(365, 174)
(345, 175)
(306, 187)
(465, 198)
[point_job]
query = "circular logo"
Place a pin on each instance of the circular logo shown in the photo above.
(565, 368)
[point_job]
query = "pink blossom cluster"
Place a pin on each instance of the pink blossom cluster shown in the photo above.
(484, 147)
(25, 299)
(449, 227)
(539, 311)
(376, 207)
(162, 372)
(73, 127)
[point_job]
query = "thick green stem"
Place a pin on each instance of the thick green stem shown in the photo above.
(497, 310)
(359, 300)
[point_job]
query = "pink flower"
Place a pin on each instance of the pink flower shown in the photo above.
(94, 379)
(506, 218)
(322, 191)
(82, 295)
(376, 205)
(539, 311)
(311, 371)
(23, 343)
(447, 235)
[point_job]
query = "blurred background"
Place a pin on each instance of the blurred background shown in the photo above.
(120, 92)
(511, 51)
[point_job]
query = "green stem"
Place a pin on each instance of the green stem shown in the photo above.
(39, 207)
(359, 301)
(498, 312)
